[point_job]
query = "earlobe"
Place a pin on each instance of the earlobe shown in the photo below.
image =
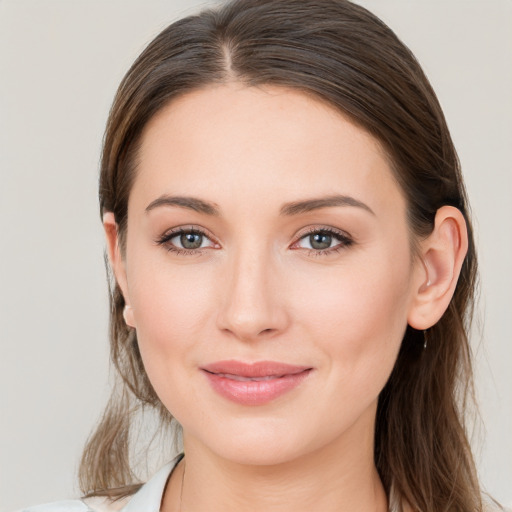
(117, 263)
(128, 316)
(438, 268)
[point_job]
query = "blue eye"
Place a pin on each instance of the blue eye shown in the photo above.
(322, 241)
(185, 241)
(189, 240)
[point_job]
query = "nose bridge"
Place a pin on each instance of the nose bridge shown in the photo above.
(251, 304)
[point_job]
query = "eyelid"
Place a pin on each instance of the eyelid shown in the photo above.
(309, 230)
(173, 232)
(344, 238)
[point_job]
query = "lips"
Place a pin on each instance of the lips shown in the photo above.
(256, 383)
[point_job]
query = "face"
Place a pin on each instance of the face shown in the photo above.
(269, 272)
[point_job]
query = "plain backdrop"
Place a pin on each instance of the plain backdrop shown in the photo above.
(60, 63)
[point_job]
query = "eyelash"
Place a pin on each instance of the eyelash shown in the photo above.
(165, 239)
(343, 238)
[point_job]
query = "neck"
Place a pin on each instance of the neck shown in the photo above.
(340, 477)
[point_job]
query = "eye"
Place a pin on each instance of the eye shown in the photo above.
(185, 241)
(189, 240)
(321, 241)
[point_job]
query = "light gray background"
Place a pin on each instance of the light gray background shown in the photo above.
(60, 62)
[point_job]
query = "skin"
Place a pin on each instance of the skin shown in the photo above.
(258, 290)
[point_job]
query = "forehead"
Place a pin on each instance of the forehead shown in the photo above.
(232, 141)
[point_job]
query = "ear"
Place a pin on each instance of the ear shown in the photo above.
(117, 263)
(440, 261)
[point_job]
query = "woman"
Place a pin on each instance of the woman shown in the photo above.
(294, 270)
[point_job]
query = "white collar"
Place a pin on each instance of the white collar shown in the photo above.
(149, 497)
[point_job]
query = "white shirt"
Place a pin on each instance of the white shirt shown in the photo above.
(147, 499)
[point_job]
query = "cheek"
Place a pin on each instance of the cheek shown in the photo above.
(172, 305)
(171, 313)
(357, 317)
(168, 308)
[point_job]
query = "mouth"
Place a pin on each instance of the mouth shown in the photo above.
(255, 383)
(245, 379)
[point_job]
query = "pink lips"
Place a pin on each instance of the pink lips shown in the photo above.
(254, 384)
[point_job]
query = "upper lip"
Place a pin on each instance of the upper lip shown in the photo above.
(257, 369)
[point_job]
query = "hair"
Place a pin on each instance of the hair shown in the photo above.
(339, 53)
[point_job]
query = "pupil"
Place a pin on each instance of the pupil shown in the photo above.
(320, 241)
(191, 240)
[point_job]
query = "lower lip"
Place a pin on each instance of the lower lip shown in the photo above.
(255, 392)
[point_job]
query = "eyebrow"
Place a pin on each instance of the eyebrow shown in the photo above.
(191, 203)
(288, 209)
(308, 205)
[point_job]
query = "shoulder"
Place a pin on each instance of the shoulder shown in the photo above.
(147, 499)
(85, 505)
(60, 506)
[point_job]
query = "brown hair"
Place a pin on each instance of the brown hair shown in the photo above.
(342, 54)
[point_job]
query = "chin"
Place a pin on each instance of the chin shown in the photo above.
(262, 442)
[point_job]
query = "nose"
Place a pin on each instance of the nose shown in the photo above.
(252, 302)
